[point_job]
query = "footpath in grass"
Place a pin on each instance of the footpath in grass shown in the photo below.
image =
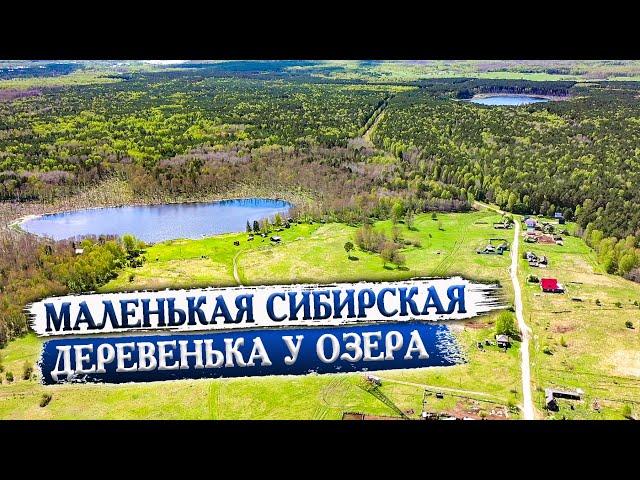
(486, 386)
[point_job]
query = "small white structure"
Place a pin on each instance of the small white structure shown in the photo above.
(79, 251)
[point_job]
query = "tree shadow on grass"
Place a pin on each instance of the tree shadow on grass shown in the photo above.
(353, 259)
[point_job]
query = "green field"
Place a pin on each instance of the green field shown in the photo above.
(589, 345)
(487, 384)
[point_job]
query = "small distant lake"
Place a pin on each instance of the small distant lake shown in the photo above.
(508, 100)
(156, 223)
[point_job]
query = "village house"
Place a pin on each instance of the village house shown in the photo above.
(551, 394)
(535, 261)
(530, 223)
(551, 285)
(503, 341)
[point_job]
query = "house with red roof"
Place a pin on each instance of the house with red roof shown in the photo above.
(551, 285)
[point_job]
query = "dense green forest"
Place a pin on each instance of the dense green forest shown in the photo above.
(358, 150)
(580, 156)
(31, 270)
(149, 119)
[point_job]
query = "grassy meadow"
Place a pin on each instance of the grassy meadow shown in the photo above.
(485, 386)
(587, 344)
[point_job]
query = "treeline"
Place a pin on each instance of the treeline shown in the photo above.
(342, 184)
(617, 256)
(40, 70)
(464, 88)
(33, 268)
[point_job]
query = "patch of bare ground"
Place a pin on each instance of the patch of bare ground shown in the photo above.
(626, 363)
(473, 411)
(477, 325)
(563, 328)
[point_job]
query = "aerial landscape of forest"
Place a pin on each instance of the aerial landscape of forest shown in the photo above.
(389, 170)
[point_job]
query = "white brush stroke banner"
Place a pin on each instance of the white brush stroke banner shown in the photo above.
(276, 306)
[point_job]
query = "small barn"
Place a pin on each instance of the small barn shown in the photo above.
(503, 341)
(551, 285)
(530, 223)
(276, 239)
(551, 394)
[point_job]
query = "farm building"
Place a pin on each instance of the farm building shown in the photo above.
(530, 223)
(503, 245)
(551, 285)
(276, 239)
(535, 261)
(551, 394)
(502, 225)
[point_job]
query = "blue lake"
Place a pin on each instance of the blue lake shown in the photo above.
(509, 100)
(156, 223)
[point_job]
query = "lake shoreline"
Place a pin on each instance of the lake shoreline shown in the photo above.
(553, 98)
(140, 220)
(14, 214)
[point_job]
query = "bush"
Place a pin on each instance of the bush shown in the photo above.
(618, 304)
(626, 411)
(532, 279)
(563, 342)
(547, 350)
(9, 377)
(369, 239)
(506, 325)
(46, 398)
(27, 370)
(598, 302)
(628, 324)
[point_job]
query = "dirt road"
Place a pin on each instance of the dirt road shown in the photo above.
(528, 409)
